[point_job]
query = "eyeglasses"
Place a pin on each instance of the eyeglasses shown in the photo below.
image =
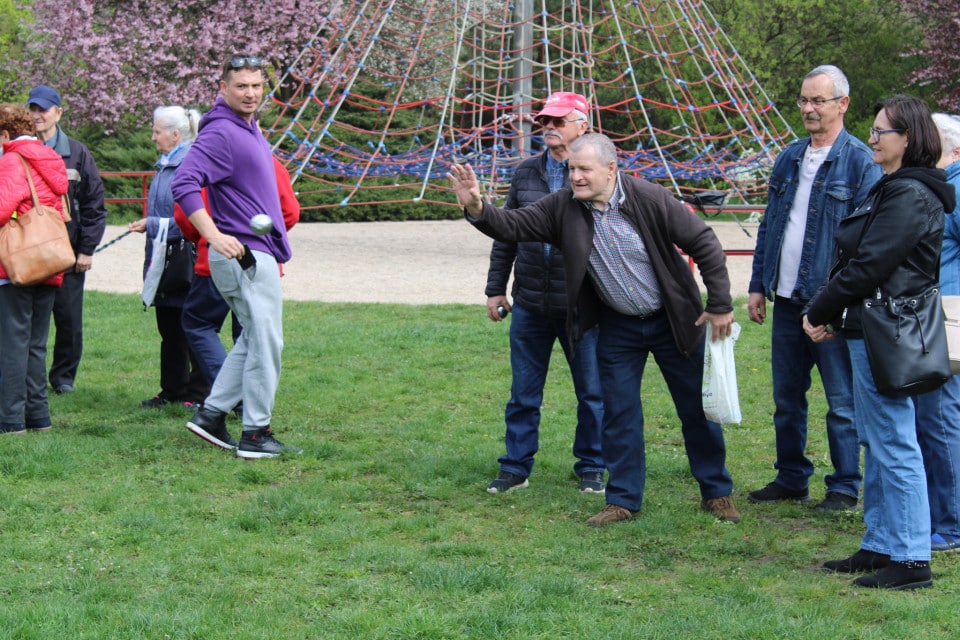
(876, 133)
(559, 123)
(817, 103)
(250, 62)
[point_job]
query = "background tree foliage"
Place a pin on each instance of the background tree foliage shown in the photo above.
(782, 40)
(115, 60)
(940, 20)
(10, 41)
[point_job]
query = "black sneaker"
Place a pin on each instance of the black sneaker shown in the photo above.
(836, 501)
(155, 402)
(505, 481)
(898, 576)
(592, 482)
(161, 401)
(862, 560)
(773, 492)
(7, 429)
(210, 425)
(262, 444)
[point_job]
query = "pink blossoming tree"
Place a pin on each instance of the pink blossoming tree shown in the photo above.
(941, 24)
(113, 61)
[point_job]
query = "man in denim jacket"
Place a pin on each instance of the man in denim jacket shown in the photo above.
(816, 182)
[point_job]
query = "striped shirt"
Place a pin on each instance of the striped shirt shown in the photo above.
(620, 264)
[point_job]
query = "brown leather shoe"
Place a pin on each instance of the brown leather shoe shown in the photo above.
(722, 509)
(610, 514)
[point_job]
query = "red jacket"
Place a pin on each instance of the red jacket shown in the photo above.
(289, 205)
(49, 177)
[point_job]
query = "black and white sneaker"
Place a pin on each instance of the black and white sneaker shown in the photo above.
(262, 444)
(210, 425)
(505, 481)
(592, 482)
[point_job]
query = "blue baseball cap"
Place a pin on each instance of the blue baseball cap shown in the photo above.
(44, 97)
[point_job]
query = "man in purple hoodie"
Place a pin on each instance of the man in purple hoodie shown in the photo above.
(232, 160)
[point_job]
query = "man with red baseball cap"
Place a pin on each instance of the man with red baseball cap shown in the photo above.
(561, 103)
(539, 313)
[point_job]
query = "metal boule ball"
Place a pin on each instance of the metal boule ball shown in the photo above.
(261, 224)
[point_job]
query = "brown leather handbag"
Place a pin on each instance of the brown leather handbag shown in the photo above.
(35, 246)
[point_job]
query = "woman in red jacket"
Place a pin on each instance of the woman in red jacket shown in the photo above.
(25, 311)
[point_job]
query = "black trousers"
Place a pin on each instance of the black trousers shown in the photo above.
(180, 374)
(68, 323)
(24, 323)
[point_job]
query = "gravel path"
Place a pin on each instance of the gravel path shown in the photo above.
(414, 262)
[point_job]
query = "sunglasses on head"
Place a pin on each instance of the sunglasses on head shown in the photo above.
(248, 62)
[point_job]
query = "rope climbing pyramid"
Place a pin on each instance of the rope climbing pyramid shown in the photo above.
(391, 92)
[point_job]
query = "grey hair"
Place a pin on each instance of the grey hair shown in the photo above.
(174, 118)
(841, 86)
(949, 128)
(606, 151)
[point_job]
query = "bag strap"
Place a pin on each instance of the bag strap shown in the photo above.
(873, 215)
(64, 200)
(33, 190)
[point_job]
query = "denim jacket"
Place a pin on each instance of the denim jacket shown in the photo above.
(950, 255)
(841, 184)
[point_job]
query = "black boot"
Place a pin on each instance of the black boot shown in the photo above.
(899, 576)
(862, 560)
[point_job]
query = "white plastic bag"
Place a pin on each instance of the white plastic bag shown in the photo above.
(721, 402)
(158, 258)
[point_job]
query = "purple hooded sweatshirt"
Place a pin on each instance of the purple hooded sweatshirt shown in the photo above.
(233, 160)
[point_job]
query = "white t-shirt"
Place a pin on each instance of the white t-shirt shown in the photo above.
(792, 246)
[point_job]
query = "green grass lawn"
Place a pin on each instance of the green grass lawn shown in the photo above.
(119, 523)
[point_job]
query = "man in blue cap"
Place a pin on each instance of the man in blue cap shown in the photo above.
(89, 219)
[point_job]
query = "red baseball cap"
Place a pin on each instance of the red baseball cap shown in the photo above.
(561, 103)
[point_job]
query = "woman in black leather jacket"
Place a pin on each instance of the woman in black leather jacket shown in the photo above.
(893, 241)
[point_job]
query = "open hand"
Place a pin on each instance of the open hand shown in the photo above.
(463, 182)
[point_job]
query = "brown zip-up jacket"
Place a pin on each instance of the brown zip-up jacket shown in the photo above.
(662, 222)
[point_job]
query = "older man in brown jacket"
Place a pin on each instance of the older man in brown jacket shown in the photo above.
(618, 235)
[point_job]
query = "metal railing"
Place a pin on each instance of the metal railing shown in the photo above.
(145, 176)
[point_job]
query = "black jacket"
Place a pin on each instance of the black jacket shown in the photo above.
(538, 281)
(661, 221)
(87, 209)
(891, 241)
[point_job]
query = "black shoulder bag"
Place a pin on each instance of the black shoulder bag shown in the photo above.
(906, 340)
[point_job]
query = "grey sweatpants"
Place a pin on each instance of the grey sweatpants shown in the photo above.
(251, 372)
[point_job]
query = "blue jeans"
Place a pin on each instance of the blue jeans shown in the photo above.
(532, 337)
(793, 356)
(895, 508)
(938, 430)
(623, 347)
(204, 311)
